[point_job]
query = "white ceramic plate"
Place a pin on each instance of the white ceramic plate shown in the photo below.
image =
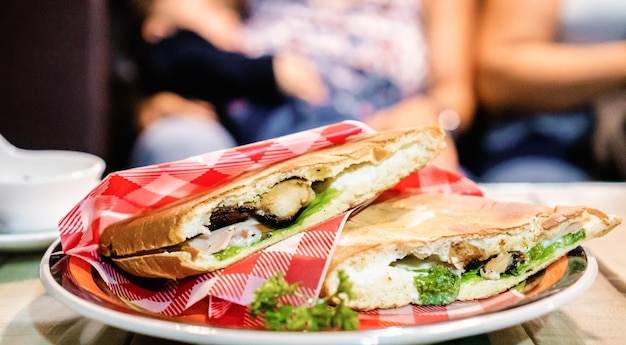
(92, 307)
(27, 241)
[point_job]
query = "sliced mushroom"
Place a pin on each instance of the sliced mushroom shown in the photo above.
(278, 207)
(464, 253)
(502, 263)
(223, 216)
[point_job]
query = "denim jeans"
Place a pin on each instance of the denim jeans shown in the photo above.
(542, 148)
(179, 137)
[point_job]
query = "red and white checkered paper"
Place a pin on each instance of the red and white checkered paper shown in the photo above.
(302, 258)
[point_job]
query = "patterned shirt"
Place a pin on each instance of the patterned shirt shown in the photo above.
(371, 53)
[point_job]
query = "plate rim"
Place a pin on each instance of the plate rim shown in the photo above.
(208, 334)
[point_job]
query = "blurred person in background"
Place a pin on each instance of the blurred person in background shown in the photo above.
(191, 48)
(545, 68)
(393, 63)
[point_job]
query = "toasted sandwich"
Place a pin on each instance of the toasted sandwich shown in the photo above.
(215, 229)
(434, 249)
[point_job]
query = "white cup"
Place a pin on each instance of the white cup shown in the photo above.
(39, 187)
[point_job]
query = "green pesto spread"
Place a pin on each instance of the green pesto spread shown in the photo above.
(437, 286)
(321, 199)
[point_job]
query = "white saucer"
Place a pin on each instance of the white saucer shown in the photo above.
(27, 241)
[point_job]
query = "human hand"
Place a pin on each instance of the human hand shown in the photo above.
(298, 77)
(417, 112)
(411, 112)
(170, 104)
(216, 21)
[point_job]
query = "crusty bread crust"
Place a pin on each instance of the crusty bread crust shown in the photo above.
(386, 157)
(456, 229)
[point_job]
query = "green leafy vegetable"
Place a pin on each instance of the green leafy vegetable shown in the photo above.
(437, 286)
(472, 274)
(539, 252)
(329, 313)
(321, 199)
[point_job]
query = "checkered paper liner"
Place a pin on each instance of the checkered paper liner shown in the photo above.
(301, 258)
(129, 192)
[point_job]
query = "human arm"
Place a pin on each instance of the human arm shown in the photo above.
(217, 62)
(165, 104)
(449, 33)
(216, 21)
(298, 77)
(520, 66)
(187, 64)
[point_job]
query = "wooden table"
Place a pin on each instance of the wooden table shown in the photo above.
(29, 316)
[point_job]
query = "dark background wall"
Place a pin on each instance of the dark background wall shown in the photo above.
(62, 85)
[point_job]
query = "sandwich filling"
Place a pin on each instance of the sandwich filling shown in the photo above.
(229, 240)
(439, 283)
(283, 207)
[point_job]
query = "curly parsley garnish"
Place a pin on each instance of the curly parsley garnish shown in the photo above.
(328, 313)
